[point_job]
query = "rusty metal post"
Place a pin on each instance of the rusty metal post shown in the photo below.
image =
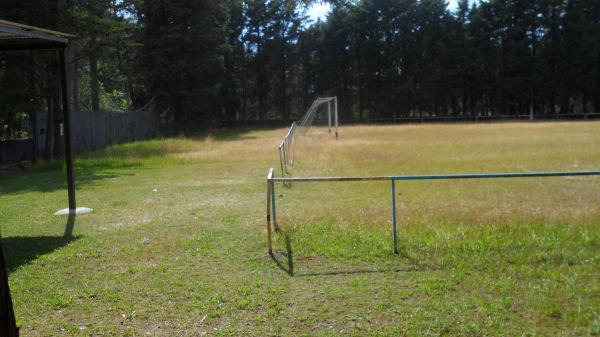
(394, 229)
(269, 231)
(285, 162)
(274, 210)
(281, 161)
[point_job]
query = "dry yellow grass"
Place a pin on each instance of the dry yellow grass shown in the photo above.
(444, 149)
(176, 245)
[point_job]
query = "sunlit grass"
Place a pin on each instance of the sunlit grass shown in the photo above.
(177, 241)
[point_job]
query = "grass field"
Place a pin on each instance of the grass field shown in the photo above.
(176, 245)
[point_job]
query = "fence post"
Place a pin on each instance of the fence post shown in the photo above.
(269, 232)
(394, 229)
(284, 151)
(275, 224)
(281, 159)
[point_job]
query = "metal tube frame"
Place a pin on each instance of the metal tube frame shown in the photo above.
(271, 180)
(269, 233)
(394, 229)
(271, 210)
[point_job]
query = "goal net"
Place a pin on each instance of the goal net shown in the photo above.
(322, 110)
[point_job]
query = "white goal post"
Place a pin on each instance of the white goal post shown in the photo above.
(321, 104)
(332, 113)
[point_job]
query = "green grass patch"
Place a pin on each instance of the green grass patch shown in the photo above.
(176, 245)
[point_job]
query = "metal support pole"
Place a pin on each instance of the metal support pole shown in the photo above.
(273, 205)
(269, 231)
(281, 161)
(394, 229)
(286, 147)
(288, 161)
(288, 155)
(67, 129)
(284, 151)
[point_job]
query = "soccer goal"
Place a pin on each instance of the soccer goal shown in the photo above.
(323, 109)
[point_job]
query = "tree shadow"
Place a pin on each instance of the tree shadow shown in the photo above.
(285, 262)
(53, 179)
(101, 164)
(21, 250)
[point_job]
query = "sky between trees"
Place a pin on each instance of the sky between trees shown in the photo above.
(208, 63)
(320, 10)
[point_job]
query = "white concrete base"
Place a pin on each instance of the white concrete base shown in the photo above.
(78, 211)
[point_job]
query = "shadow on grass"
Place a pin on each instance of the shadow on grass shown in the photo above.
(102, 164)
(288, 264)
(19, 251)
(285, 262)
(53, 177)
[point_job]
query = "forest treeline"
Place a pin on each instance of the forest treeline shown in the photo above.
(200, 63)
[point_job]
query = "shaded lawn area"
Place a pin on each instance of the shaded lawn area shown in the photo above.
(177, 241)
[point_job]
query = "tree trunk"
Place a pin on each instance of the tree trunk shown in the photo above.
(283, 84)
(244, 84)
(94, 85)
(34, 136)
(49, 148)
(33, 119)
(59, 140)
(75, 82)
(564, 104)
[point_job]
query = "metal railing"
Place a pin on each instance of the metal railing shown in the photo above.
(271, 180)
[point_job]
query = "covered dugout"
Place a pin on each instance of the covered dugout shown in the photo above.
(15, 36)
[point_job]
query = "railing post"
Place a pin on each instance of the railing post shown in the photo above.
(269, 231)
(275, 224)
(394, 229)
(287, 151)
(287, 155)
(281, 159)
(283, 150)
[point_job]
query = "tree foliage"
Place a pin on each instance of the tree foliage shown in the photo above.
(205, 62)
